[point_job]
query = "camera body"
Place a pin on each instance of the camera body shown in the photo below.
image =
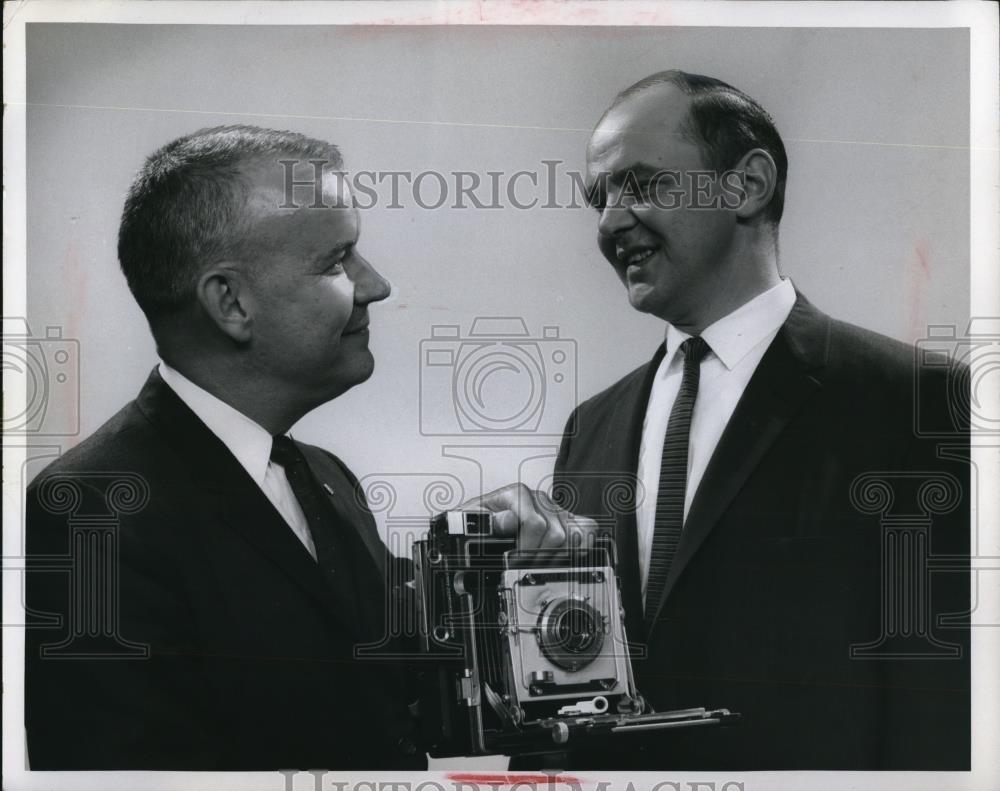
(529, 647)
(498, 379)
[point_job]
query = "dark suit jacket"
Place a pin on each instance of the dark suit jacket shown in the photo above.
(781, 570)
(180, 624)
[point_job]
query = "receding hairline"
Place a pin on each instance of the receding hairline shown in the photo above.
(638, 91)
(684, 128)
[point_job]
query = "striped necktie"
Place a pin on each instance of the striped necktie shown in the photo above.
(673, 478)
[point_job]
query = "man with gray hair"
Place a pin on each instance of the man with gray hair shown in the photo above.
(245, 569)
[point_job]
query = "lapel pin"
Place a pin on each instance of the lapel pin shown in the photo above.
(329, 490)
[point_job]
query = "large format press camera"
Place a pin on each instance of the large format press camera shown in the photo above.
(530, 646)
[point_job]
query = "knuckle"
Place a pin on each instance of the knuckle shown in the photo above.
(555, 537)
(505, 522)
(535, 523)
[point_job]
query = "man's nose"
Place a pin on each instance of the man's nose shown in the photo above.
(369, 285)
(615, 217)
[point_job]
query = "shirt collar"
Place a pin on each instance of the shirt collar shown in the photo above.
(734, 336)
(248, 441)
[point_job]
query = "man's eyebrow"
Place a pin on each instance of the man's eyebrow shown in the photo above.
(332, 252)
(637, 169)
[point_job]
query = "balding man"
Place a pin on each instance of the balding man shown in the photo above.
(755, 572)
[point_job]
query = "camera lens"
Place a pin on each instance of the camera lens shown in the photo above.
(570, 633)
(575, 630)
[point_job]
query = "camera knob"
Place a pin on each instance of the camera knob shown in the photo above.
(542, 677)
(560, 733)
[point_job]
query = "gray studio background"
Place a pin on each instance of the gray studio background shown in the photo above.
(876, 226)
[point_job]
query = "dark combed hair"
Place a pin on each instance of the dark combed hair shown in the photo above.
(725, 123)
(186, 207)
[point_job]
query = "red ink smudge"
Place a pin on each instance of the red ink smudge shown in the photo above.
(923, 256)
(919, 276)
(508, 779)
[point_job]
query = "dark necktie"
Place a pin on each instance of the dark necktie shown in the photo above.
(673, 478)
(324, 524)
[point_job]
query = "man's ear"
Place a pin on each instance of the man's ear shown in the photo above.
(759, 178)
(224, 296)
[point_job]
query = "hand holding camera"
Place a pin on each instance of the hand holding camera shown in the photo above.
(533, 519)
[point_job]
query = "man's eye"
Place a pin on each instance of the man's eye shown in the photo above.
(336, 262)
(634, 190)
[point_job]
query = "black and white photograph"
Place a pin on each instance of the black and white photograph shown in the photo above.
(496, 395)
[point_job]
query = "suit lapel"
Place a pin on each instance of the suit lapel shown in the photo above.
(347, 501)
(250, 514)
(783, 381)
(360, 539)
(626, 422)
(236, 499)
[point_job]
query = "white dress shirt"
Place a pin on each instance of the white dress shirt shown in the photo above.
(249, 442)
(737, 342)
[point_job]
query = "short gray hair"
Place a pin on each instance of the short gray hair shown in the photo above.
(186, 207)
